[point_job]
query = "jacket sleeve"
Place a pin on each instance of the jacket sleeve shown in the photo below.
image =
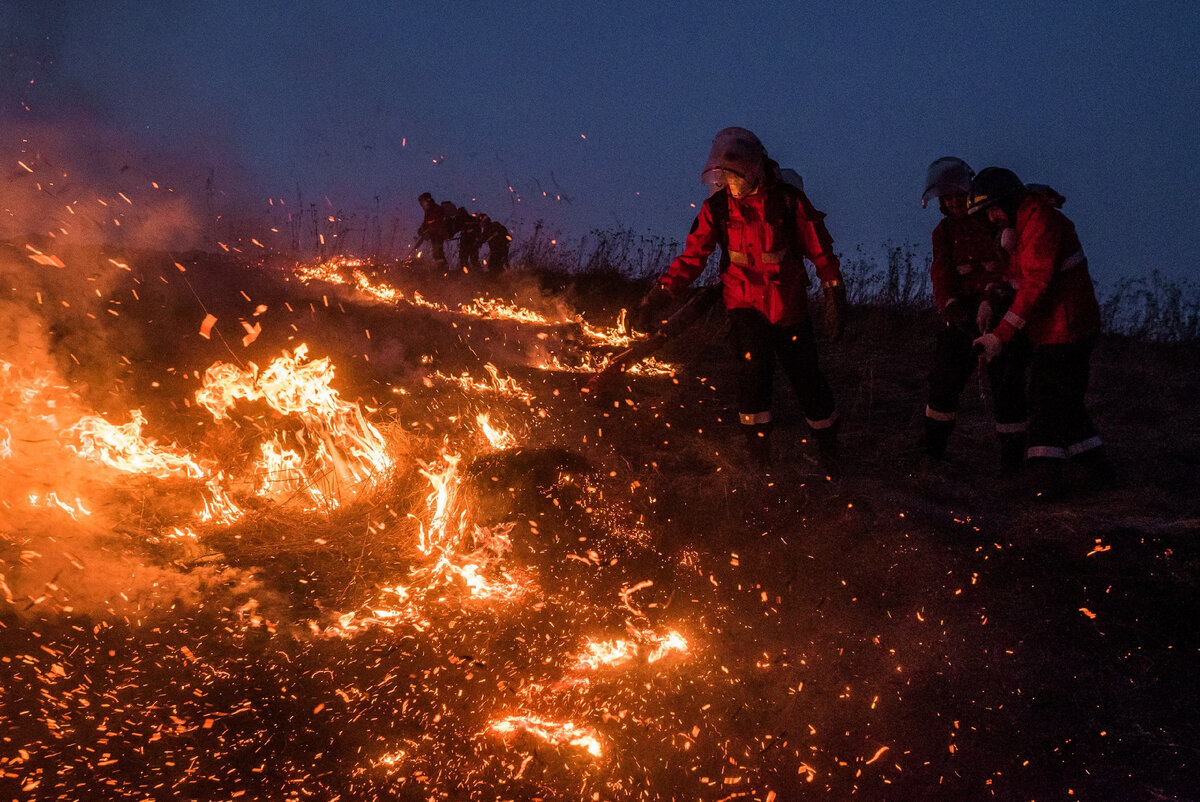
(1039, 238)
(816, 242)
(942, 272)
(700, 243)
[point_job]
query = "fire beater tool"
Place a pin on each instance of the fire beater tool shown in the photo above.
(683, 318)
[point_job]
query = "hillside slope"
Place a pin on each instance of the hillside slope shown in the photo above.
(404, 574)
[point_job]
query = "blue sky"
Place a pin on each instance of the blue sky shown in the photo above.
(609, 108)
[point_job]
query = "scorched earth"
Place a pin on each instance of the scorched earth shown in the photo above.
(335, 531)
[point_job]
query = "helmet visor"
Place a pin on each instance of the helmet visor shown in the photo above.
(718, 177)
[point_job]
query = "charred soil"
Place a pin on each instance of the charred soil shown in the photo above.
(610, 602)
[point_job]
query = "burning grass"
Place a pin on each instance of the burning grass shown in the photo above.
(500, 590)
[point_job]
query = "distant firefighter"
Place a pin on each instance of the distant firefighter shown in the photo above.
(495, 235)
(450, 213)
(766, 228)
(1055, 305)
(433, 229)
(972, 291)
(469, 229)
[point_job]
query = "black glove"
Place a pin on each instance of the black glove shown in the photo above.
(649, 314)
(835, 309)
(956, 317)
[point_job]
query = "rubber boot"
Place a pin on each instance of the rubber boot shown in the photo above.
(828, 455)
(1012, 452)
(758, 444)
(1098, 470)
(937, 436)
(1046, 483)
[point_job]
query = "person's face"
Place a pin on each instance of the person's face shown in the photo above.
(955, 204)
(738, 186)
(998, 217)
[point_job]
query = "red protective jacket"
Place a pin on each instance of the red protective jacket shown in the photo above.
(965, 260)
(1056, 302)
(764, 240)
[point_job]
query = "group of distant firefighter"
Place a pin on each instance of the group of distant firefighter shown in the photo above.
(445, 221)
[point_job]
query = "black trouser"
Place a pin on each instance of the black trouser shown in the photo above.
(1059, 424)
(759, 343)
(438, 247)
(953, 363)
(468, 251)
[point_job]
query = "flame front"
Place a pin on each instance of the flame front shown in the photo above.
(485, 638)
(124, 448)
(557, 733)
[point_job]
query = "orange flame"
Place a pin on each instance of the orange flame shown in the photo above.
(497, 438)
(440, 502)
(339, 448)
(124, 448)
(558, 733)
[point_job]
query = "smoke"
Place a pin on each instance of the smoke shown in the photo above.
(71, 172)
(62, 519)
(76, 183)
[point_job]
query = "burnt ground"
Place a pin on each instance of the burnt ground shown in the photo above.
(905, 631)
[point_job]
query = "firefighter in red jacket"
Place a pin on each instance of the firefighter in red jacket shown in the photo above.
(1056, 307)
(765, 228)
(971, 291)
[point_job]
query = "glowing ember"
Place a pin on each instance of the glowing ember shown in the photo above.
(48, 260)
(606, 653)
(499, 385)
(52, 501)
(497, 438)
(598, 654)
(420, 615)
(479, 569)
(495, 309)
(557, 733)
(669, 643)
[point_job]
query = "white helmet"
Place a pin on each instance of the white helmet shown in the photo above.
(947, 176)
(736, 150)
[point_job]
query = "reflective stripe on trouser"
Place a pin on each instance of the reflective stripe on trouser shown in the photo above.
(954, 362)
(933, 414)
(824, 423)
(1059, 423)
(1075, 449)
(758, 345)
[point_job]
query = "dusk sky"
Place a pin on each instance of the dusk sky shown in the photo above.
(609, 108)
